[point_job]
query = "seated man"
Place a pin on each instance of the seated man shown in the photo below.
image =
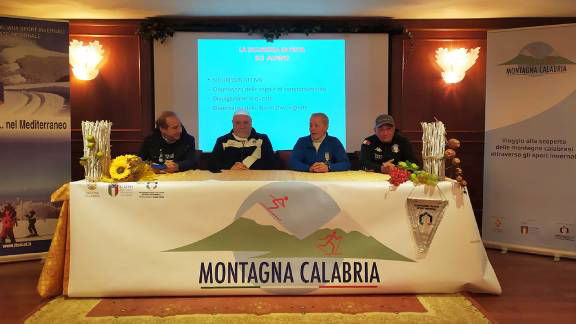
(319, 152)
(243, 148)
(170, 145)
(385, 148)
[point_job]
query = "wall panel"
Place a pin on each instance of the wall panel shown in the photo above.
(122, 91)
(417, 92)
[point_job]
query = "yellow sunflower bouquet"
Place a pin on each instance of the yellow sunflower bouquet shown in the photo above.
(125, 168)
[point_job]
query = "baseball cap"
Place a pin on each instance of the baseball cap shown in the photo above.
(384, 119)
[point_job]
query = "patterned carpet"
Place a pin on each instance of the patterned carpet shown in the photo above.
(446, 308)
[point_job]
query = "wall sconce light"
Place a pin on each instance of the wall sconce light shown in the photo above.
(85, 59)
(455, 62)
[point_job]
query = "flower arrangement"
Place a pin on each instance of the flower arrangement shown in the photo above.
(129, 167)
(97, 162)
(436, 151)
(411, 171)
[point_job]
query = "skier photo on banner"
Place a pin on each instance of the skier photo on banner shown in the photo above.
(9, 221)
(31, 217)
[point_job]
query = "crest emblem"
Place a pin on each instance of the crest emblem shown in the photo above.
(113, 189)
(425, 212)
(395, 148)
(425, 219)
(152, 185)
(498, 222)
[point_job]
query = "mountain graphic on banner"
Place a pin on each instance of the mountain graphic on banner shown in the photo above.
(529, 60)
(294, 219)
(247, 235)
(300, 208)
(537, 53)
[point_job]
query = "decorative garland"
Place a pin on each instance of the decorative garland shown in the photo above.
(156, 30)
(162, 29)
(271, 32)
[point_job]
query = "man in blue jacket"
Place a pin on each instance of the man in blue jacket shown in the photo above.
(319, 152)
(170, 145)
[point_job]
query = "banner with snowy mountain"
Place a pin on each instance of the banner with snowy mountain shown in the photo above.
(263, 237)
(530, 140)
(34, 132)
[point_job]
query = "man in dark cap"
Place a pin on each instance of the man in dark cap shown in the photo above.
(386, 148)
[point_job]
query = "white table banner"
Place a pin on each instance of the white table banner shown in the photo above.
(269, 237)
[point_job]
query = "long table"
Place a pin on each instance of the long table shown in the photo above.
(272, 232)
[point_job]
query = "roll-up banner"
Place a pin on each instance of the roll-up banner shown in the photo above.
(530, 140)
(34, 132)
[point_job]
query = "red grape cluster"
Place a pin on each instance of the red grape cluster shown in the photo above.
(398, 176)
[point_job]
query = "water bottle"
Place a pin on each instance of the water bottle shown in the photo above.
(327, 159)
(161, 157)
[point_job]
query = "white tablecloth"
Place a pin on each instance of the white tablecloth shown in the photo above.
(269, 232)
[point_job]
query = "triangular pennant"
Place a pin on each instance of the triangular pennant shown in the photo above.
(425, 215)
